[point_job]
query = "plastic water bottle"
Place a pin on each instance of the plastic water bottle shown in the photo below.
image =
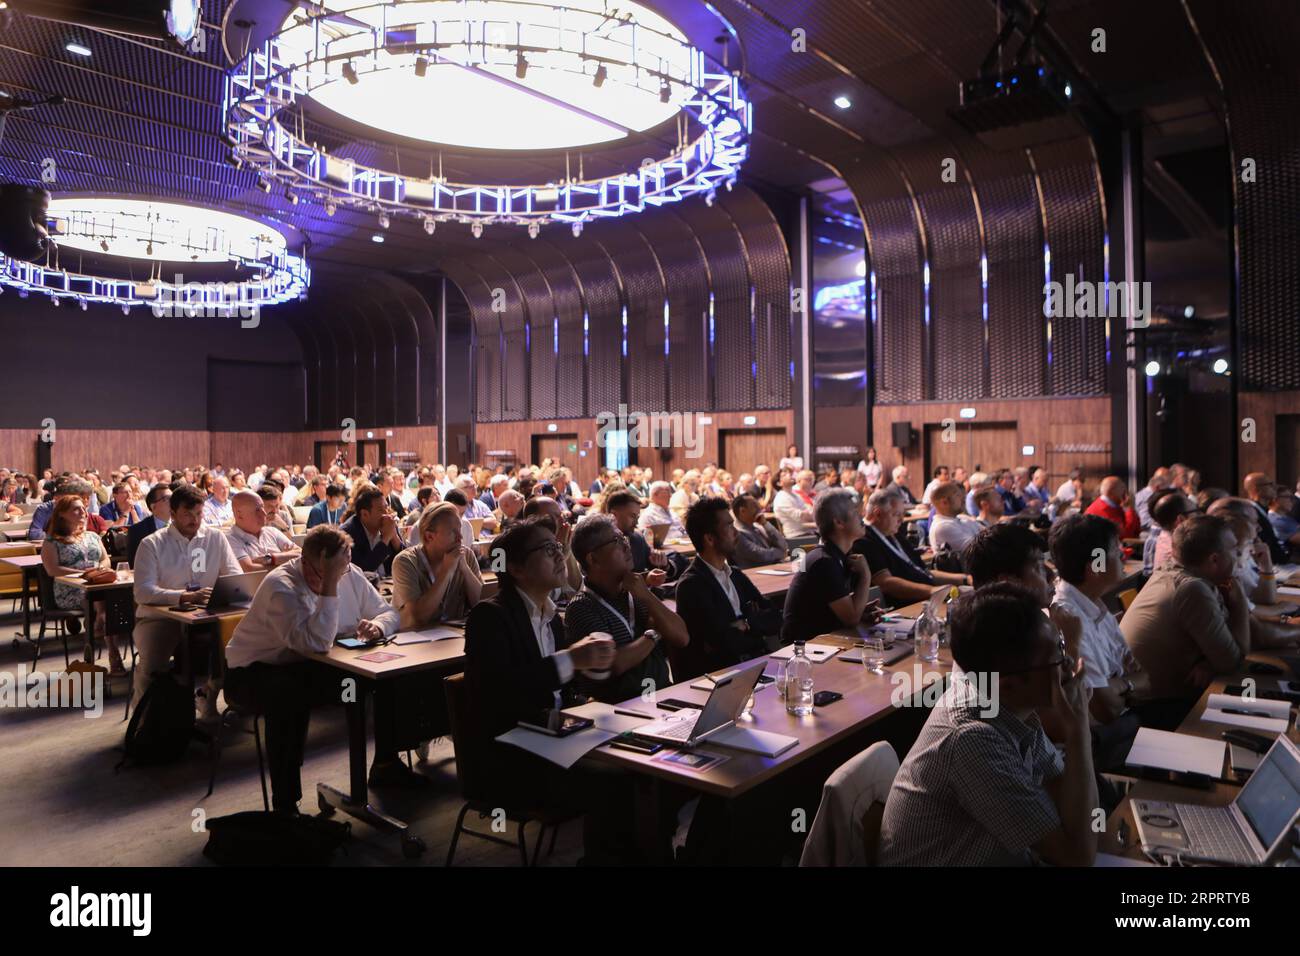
(799, 683)
(927, 634)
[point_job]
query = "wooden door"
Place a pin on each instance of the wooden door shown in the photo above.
(1288, 450)
(741, 450)
(975, 445)
(556, 447)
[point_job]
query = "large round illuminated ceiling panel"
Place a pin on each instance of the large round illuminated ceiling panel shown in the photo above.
(160, 231)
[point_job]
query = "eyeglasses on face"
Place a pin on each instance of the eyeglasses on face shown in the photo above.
(1063, 661)
(552, 548)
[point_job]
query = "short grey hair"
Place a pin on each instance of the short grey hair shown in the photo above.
(882, 499)
(658, 486)
(832, 505)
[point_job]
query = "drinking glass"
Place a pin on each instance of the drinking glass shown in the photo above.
(873, 654)
(123, 570)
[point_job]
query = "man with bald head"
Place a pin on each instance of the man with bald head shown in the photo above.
(1261, 490)
(258, 546)
(510, 504)
(1159, 481)
(1112, 505)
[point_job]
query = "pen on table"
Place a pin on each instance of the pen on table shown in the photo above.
(633, 713)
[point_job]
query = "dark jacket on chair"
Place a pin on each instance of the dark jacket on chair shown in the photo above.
(714, 643)
(137, 533)
(505, 674)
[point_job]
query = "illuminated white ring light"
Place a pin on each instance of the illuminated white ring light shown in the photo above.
(313, 51)
(164, 232)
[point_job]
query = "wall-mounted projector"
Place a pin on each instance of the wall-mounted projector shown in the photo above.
(1025, 106)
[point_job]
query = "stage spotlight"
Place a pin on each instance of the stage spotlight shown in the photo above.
(383, 220)
(376, 238)
(292, 196)
(477, 230)
(1220, 366)
(521, 65)
(601, 75)
(264, 185)
(665, 92)
(843, 102)
(1152, 368)
(533, 230)
(331, 208)
(429, 225)
(577, 229)
(350, 72)
(421, 65)
(103, 244)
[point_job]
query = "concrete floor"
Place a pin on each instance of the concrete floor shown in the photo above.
(62, 804)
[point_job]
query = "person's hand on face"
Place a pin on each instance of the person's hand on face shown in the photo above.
(333, 568)
(1071, 628)
(655, 577)
(1070, 696)
(858, 568)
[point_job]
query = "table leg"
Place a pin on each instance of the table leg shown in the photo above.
(27, 603)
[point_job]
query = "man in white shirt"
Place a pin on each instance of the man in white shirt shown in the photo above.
(795, 515)
(476, 508)
(178, 565)
(217, 512)
(685, 496)
(256, 545)
(950, 527)
(299, 610)
(657, 512)
(940, 476)
(257, 477)
(288, 493)
(1090, 563)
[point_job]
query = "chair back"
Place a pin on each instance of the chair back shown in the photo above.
(226, 627)
(477, 525)
(1127, 597)
(45, 588)
(846, 830)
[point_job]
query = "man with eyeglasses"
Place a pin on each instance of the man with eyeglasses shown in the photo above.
(983, 785)
(615, 600)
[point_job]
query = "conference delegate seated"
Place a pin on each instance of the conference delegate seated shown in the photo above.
(177, 566)
(1089, 562)
(329, 511)
(425, 497)
(521, 661)
(899, 478)
(1285, 526)
(833, 589)
(1012, 553)
(658, 566)
(1112, 505)
(1191, 621)
(551, 512)
(279, 515)
(217, 510)
(70, 549)
(373, 530)
(950, 528)
(475, 508)
(121, 510)
(437, 578)
(1260, 490)
(256, 545)
(66, 486)
(298, 611)
(895, 567)
(616, 601)
(983, 785)
(1255, 573)
(791, 509)
(509, 509)
(159, 502)
(758, 540)
(657, 513)
(726, 618)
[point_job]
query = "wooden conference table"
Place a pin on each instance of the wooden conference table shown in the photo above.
(1220, 792)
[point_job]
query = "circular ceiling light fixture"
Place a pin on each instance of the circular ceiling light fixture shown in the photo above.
(157, 233)
(521, 77)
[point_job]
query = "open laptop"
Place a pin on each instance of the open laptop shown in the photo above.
(726, 702)
(1247, 832)
(234, 592)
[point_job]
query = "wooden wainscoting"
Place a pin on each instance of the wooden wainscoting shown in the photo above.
(1276, 448)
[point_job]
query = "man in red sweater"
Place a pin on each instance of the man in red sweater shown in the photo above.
(1113, 506)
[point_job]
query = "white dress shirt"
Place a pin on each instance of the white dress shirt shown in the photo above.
(289, 496)
(793, 513)
(929, 490)
(1102, 643)
(723, 577)
(654, 514)
(270, 541)
(168, 564)
(540, 618)
(288, 619)
(956, 532)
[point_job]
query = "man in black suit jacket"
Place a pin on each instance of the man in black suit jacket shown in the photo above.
(159, 500)
(895, 566)
(1261, 490)
(374, 534)
(519, 662)
(727, 619)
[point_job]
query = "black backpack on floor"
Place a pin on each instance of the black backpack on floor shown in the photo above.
(259, 838)
(163, 723)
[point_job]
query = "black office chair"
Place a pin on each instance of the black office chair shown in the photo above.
(52, 613)
(470, 767)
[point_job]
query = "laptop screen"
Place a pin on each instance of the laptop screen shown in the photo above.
(1271, 796)
(728, 700)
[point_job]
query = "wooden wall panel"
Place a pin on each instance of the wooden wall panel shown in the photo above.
(1263, 454)
(517, 437)
(1051, 425)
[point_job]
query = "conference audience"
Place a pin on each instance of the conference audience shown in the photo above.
(437, 578)
(656, 514)
(373, 531)
(1260, 489)
(257, 545)
(1112, 505)
(728, 620)
(217, 510)
(159, 503)
(71, 549)
(616, 602)
(833, 589)
(658, 566)
(984, 785)
(330, 510)
(121, 511)
(179, 565)
(792, 510)
(950, 528)
(895, 566)
(759, 540)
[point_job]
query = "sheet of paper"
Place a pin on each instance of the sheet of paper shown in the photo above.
(564, 751)
(779, 572)
(1289, 591)
(1272, 716)
(815, 652)
(427, 635)
(1162, 750)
